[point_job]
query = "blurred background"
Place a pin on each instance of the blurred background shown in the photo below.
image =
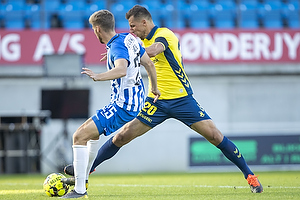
(242, 58)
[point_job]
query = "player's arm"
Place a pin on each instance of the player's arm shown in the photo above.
(151, 71)
(154, 49)
(160, 44)
(119, 71)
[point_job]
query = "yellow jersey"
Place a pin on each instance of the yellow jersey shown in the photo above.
(171, 78)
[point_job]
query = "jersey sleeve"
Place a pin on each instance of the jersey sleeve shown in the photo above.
(142, 50)
(163, 41)
(119, 51)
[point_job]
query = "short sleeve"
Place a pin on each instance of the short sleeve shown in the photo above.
(163, 41)
(142, 50)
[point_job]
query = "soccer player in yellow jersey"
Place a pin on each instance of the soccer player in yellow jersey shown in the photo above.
(176, 99)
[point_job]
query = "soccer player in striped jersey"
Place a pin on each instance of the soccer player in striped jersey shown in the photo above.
(124, 56)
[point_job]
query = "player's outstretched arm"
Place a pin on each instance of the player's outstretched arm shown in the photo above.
(151, 71)
(119, 71)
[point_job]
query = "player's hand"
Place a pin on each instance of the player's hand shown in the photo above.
(157, 95)
(104, 56)
(90, 73)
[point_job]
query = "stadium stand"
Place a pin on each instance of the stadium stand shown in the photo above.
(175, 14)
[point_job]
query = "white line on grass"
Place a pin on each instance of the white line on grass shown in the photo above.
(185, 186)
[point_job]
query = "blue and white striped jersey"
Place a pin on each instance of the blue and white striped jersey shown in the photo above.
(127, 92)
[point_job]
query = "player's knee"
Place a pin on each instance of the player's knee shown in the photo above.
(215, 137)
(76, 138)
(79, 138)
(119, 140)
(123, 137)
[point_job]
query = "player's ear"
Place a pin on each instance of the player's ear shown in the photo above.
(144, 22)
(98, 29)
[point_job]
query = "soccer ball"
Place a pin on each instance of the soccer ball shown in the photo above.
(54, 187)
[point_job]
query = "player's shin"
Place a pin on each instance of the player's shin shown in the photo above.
(108, 150)
(231, 152)
(93, 147)
(80, 163)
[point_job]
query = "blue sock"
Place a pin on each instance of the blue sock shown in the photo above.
(233, 154)
(108, 150)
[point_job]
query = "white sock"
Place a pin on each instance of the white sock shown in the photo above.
(93, 147)
(80, 161)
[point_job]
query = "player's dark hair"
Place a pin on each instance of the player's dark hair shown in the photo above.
(138, 12)
(104, 19)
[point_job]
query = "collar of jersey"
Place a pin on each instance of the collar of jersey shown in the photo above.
(112, 39)
(150, 35)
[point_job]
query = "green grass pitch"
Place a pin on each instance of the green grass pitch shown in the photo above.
(219, 186)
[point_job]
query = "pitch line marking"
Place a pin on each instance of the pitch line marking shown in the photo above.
(185, 186)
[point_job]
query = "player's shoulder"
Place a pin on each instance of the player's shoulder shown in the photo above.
(125, 37)
(165, 32)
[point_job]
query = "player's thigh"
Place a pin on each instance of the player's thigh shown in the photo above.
(85, 132)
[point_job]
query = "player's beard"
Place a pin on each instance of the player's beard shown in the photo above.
(99, 38)
(140, 34)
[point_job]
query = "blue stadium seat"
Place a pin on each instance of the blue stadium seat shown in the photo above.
(223, 18)
(183, 13)
(248, 19)
(168, 16)
(293, 19)
(122, 24)
(100, 2)
(90, 8)
(72, 14)
(249, 4)
(226, 4)
(51, 5)
(14, 14)
(272, 1)
(119, 10)
(295, 3)
(154, 7)
(272, 14)
(36, 21)
(73, 19)
(272, 19)
(33, 16)
(200, 20)
(75, 4)
(95, 5)
(129, 1)
(195, 13)
(15, 4)
(290, 6)
(14, 20)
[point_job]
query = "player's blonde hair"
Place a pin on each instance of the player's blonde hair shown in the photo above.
(103, 18)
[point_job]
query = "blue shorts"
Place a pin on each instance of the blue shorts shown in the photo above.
(111, 117)
(185, 109)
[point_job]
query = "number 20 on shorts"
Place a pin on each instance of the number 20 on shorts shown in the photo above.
(149, 108)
